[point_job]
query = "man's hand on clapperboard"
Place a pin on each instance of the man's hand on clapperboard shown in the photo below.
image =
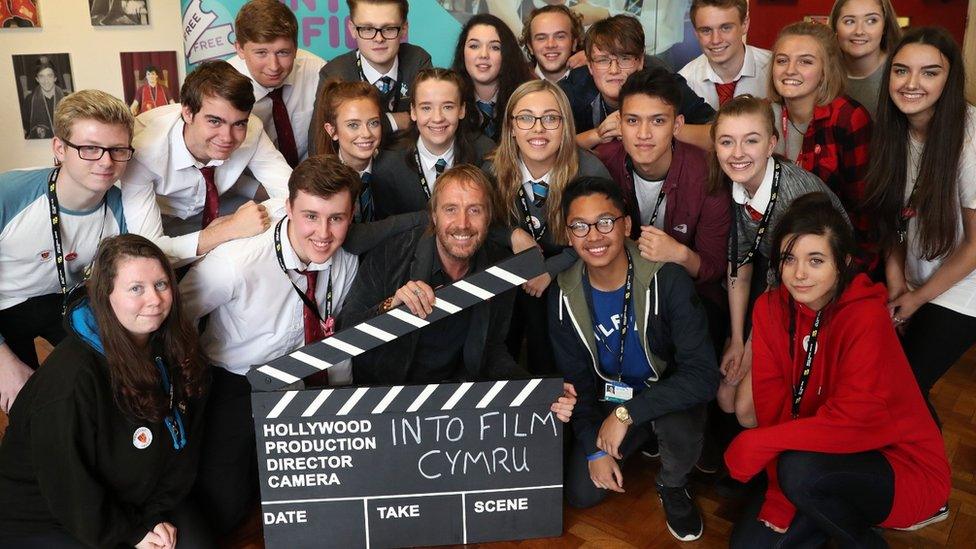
(563, 407)
(417, 295)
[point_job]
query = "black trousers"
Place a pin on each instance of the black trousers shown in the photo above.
(227, 480)
(934, 340)
(837, 496)
(37, 317)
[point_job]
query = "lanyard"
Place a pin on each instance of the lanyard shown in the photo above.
(391, 98)
(660, 195)
(801, 387)
(305, 299)
(420, 173)
(523, 201)
(174, 421)
(54, 209)
(907, 213)
(760, 232)
(624, 316)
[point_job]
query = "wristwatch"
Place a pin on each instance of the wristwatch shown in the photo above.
(623, 415)
(386, 305)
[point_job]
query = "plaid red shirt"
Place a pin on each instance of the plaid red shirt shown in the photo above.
(835, 149)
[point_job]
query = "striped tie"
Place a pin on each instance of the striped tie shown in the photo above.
(439, 166)
(365, 199)
(384, 85)
(541, 190)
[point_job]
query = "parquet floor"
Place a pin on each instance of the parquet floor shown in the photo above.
(635, 519)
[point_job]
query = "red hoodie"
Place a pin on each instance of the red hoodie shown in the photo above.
(861, 396)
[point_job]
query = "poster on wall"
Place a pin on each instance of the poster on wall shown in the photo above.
(19, 14)
(42, 82)
(106, 13)
(150, 79)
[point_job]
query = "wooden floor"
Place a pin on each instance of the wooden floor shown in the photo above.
(635, 519)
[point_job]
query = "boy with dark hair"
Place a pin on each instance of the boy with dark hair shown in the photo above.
(727, 66)
(551, 35)
(188, 159)
(631, 336)
(380, 59)
(284, 76)
(614, 50)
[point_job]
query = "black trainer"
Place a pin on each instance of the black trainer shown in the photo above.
(940, 515)
(683, 518)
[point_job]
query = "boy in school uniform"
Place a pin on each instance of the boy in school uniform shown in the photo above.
(284, 77)
(380, 59)
(551, 35)
(182, 191)
(51, 221)
(727, 66)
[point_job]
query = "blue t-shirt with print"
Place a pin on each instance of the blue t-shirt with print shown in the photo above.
(606, 316)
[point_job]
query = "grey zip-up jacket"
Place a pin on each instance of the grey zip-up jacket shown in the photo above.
(674, 329)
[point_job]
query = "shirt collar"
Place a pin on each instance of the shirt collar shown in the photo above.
(761, 199)
(527, 176)
(369, 167)
(292, 262)
(180, 154)
(429, 159)
(372, 75)
(748, 69)
(260, 92)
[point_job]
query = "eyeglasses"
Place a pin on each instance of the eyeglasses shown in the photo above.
(94, 152)
(369, 33)
(623, 61)
(604, 225)
(527, 121)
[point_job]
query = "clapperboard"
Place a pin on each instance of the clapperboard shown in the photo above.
(407, 465)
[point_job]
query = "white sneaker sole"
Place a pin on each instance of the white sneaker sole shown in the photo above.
(689, 537)
(929, 521)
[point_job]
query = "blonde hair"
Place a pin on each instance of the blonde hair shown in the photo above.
(833, 79)
(505, 159)
(91, 105)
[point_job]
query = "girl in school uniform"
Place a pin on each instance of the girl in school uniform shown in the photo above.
(922, 190)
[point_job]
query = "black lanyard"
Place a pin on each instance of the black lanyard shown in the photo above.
(527, 215)
(801, 387)
(760, 232)
(420, 173)
(660, 195)
(55, 211)
(907, 213)
(624, 318)
(174, 421)
(390, 102)
(305, 299)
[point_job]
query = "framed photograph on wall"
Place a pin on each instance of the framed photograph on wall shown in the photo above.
(150, 79)
(19, 13)
(42, 81)
(106, 13)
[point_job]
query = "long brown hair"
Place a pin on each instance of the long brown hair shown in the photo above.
(936, 199)
(332, 96)
(892, 32)
(505, 159)
(135, 380)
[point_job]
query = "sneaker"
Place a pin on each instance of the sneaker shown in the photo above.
(683, 518)
(939, 516)
(650, 448)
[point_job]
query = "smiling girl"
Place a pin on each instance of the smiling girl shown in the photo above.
(866, 30)
(922, 189)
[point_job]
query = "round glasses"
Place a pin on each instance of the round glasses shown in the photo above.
(527, 121)
(604, 225)
(369, 33)
(625, 61)
(94, 152)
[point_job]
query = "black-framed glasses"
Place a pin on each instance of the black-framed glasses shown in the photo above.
(604, 225)
(625, 61)
(527, 121)
(94, 152)
(369, 33)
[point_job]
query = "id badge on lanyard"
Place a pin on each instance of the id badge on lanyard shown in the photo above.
(617, 392)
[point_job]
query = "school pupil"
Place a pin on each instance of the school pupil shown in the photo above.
(551, 35)
(489, 60)
(922, 190)
(841, 429)
(349, 125)
(104, 440)
(866, 31)
(407, 172)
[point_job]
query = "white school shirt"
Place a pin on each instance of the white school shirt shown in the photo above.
(298, 94)
(428, 159)
(753, 77)
(760, 200)
(163, 191)
(255, 313)
(647, 192)
(372, 75)
(961, 297)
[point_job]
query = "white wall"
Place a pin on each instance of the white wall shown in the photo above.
(94, 53)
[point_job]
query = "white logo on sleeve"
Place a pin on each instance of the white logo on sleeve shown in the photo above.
(142, 438)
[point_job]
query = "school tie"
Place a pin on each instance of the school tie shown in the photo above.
(282, 124)
(487, 109)
(365, 202)
(725, 92)
(211, 204)
(754, 214)
(384, 84)
(541, 190)
(313, 328)
(439, 167)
